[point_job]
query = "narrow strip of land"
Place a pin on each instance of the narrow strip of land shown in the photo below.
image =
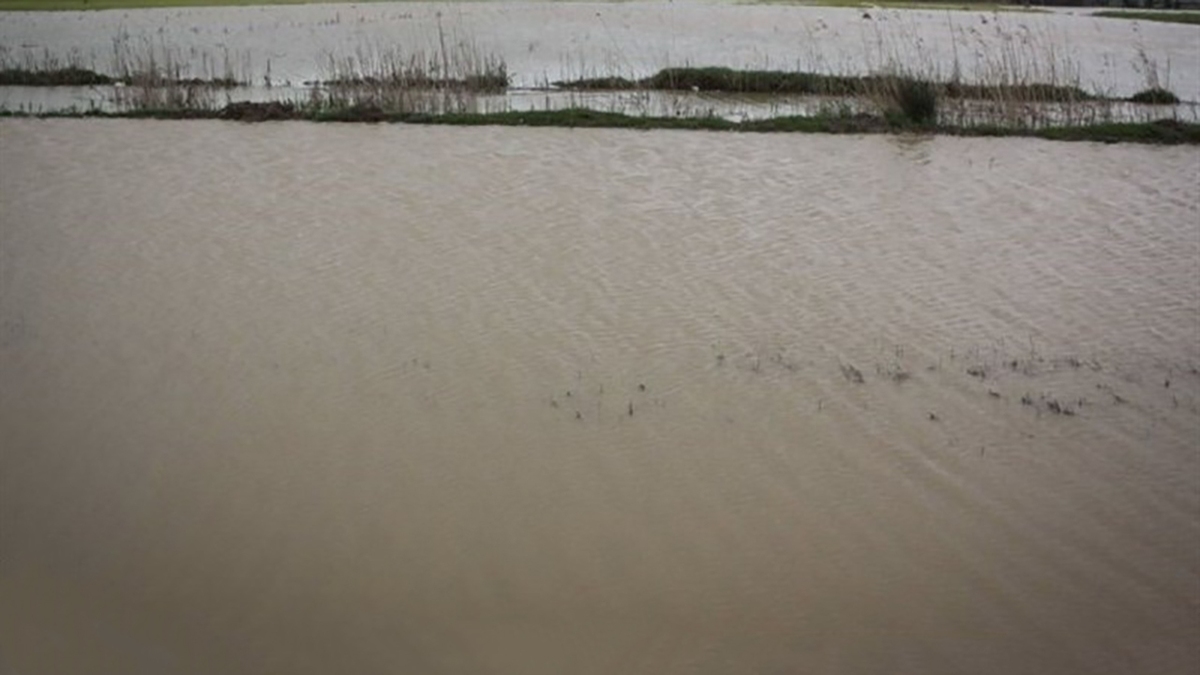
(1159, 132)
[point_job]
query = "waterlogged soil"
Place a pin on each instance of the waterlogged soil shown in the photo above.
(375, 398)
(543, 42)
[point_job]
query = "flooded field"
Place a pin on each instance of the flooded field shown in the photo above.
(306, 398)
(286, 46)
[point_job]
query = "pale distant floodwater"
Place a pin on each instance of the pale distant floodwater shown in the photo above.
(545, 41)
(300, 398)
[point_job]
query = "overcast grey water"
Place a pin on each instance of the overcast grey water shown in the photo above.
(299, 398)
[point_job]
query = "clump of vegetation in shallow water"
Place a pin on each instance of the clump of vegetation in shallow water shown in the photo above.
(70, 76)
(247, 111)
(1155, 96)
(917, 101)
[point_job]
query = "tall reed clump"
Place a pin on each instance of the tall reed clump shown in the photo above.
(917, 101)
(997, 74)
(1023, 77)
(447, 77)
(904, 99)
(154, 76)
(393, 80)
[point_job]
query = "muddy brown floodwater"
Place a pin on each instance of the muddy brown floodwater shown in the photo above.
(298, 398)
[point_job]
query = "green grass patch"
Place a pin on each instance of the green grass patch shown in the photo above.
(1192, 18)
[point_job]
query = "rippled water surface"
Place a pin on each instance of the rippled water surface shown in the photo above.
(304, 398)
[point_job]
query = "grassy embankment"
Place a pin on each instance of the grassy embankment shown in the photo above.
(1163, 16)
